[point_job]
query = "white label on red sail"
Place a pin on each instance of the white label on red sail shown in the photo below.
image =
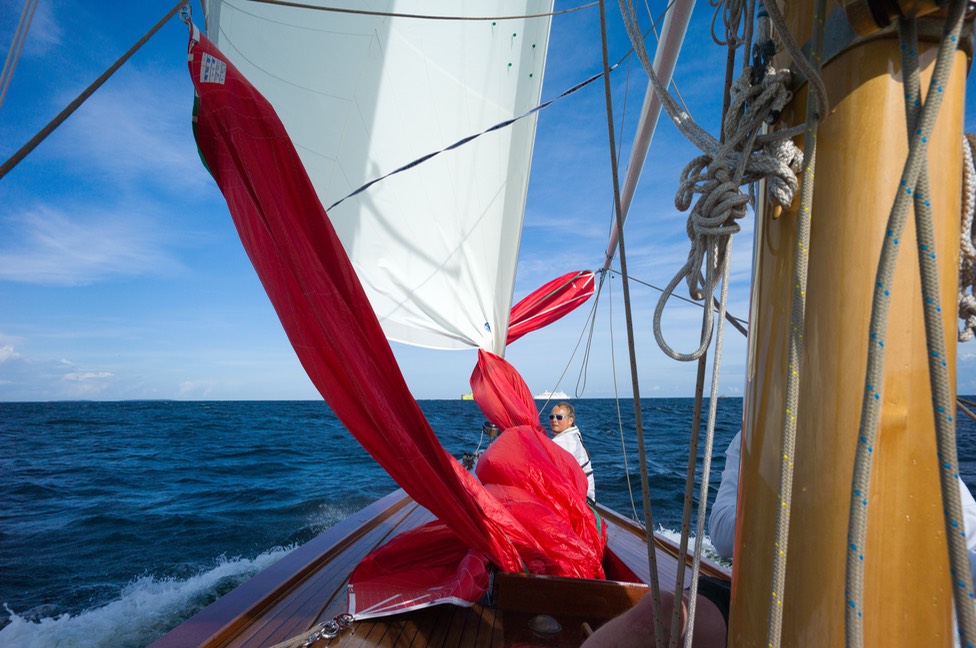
(436, 246)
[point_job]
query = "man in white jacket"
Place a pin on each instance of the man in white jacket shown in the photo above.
(565, 434)
(721, 521)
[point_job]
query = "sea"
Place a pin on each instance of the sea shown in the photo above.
(118, 520)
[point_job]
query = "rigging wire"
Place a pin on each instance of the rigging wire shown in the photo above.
(25, 150)
(959, 404)
(590, 317)
(707, 451)
(389, 14)
(739, 323)
(582, 376)
(616, 401)
(498, 126)
(645, 490)
(23, 25)
(657, 37)
(686, 512)
(469, 138)
(732, 45)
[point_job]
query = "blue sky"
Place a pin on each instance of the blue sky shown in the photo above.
(122, 277)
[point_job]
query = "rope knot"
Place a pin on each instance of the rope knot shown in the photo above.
(788, 160)
(719, 173)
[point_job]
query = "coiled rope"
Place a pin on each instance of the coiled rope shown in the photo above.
(744, 157)
(913, 188)
(967, 243)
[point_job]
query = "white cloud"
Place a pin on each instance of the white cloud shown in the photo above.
(44, 32)
(7, 353)
(29, 378)
(88, 375)
(193, 389)
(48, 247)
(138, 128)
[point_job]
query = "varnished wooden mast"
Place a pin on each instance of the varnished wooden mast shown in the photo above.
(862, 146)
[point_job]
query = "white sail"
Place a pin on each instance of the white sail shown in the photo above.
(435, 247)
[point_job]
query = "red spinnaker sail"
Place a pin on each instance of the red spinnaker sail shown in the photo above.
(328, 319)
(550, 302)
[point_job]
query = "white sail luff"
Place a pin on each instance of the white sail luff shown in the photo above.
(436, 246)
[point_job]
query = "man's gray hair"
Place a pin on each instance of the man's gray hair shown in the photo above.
(566, 406)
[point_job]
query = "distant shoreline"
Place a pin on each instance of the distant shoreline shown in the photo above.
(317, 400)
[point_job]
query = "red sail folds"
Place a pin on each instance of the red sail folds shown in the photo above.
(501, 393)
(542, 484)
(550, 302)
(329, 321)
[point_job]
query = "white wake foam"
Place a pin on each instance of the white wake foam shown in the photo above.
(707, 549)
(145, 610)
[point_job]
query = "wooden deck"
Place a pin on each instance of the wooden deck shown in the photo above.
(308, 587)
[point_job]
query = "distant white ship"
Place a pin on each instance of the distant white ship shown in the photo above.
(556, 395)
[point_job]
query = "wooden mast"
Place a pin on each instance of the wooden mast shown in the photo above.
(862, 145)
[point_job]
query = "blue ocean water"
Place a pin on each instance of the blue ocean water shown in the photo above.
(120, 519)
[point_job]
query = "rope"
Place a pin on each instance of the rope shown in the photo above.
(732, 43)
(732, 17)
(616, 399)
(707, 454)
(809, 70)
(591, 319)
(15, 47)
(966, 410)
(645, 489)
(363, 12)
(718, 174)
(967, 243)
(913, 188)
(325, 631)
(679, 580)
(25, 150)
(737, 322)
(795, 354)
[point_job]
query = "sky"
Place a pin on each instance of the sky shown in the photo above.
(122, 277)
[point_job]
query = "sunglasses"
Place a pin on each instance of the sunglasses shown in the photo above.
(557, 417)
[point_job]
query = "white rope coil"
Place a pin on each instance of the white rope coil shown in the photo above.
(967, 244)
(717, 177)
